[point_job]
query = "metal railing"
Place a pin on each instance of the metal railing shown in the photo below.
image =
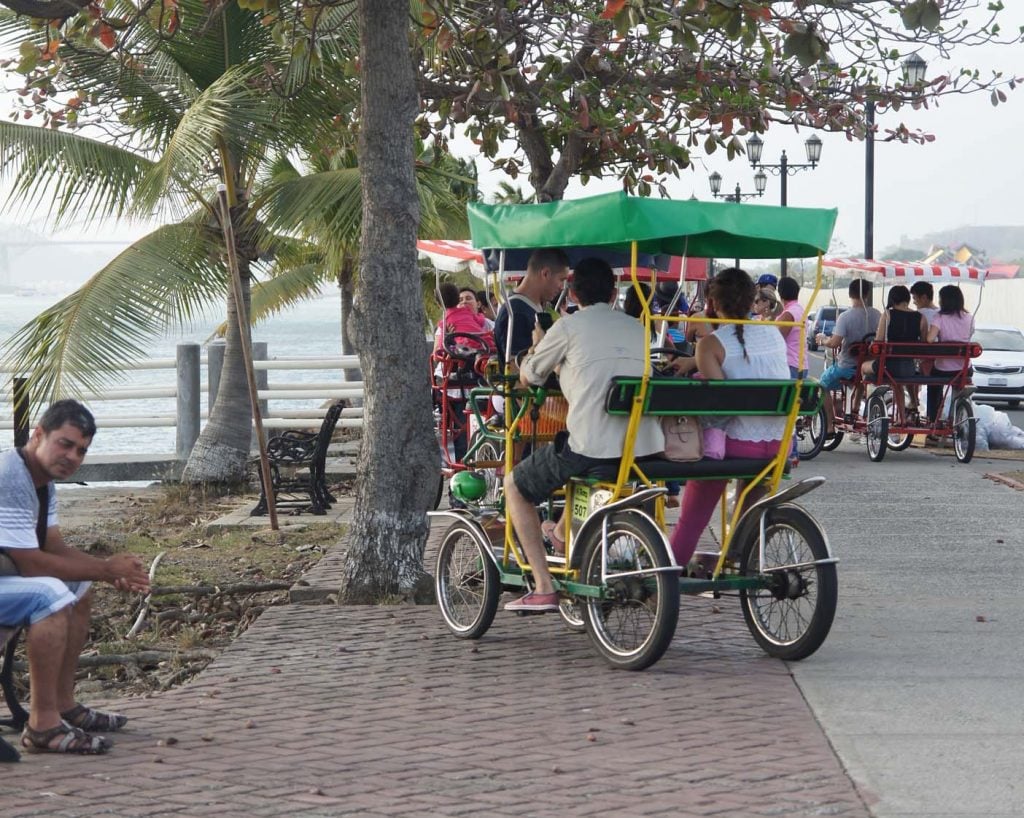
(189, 415)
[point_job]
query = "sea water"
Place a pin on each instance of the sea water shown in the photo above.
(311, 329)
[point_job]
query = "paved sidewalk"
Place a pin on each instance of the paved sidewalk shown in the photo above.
(380, 711)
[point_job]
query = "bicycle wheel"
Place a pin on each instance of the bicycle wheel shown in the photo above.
(898, 441)
(965, 430)
(832, 442)
(569, 610)
(792, 616)
(877, 432)
(491, 452)
(633, 624)
(810, 434)
(466, 582)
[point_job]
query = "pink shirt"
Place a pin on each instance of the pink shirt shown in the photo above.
(796, 309)
(953, 327)
(465, 319)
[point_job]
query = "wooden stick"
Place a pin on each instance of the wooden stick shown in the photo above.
(243, 326)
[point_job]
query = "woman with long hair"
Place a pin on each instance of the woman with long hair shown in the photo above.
(953, 323)
(732, 352)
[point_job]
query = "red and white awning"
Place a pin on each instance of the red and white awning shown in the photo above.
(460, 256)
(454, 256)
(899, 272)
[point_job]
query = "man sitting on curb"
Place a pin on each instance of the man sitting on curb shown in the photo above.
(51, 591)
(588, 348)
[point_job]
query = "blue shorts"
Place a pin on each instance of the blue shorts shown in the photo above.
(27, 600)
(795, 373)
(831, 377)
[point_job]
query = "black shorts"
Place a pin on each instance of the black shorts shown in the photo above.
(550, 468)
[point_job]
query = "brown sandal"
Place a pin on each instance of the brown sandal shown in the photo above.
(94, 721)
(74, 741)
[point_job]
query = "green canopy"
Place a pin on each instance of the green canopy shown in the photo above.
(679, 228)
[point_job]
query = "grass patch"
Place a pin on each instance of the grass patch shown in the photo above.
(174, 520)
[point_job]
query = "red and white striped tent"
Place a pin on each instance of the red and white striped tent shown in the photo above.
(460, 256)
(901, 272)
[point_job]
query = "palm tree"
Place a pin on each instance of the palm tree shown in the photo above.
(192, 112)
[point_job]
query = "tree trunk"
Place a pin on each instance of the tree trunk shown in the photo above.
(398, 468)
(346, 288)
(222, 449)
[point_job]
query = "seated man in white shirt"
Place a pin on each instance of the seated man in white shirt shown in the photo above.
(588, 348)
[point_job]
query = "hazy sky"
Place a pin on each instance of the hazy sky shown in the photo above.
(973, 173)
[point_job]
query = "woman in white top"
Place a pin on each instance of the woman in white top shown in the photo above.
(733, 352)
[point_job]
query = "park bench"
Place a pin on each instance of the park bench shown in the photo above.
(673, 397)
(298, 468)
(18, 718)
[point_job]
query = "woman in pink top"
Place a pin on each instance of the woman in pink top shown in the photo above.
(792, 310)
(953, 323)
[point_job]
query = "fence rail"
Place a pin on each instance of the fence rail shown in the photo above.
(188, 416)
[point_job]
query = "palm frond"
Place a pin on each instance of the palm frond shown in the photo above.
(73, 176)
(83, 341)
(287, 287)
(326, 205)
(230, 120)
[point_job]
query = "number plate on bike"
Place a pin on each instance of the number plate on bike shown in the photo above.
(581, 503)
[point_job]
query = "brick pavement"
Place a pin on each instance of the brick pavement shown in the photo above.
(379, 711)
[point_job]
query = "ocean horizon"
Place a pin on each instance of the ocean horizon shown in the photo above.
(309, 330)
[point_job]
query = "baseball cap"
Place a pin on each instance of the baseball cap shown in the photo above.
(767, 280)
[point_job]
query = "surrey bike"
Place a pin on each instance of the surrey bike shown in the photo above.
(617, 574)
(873, 405)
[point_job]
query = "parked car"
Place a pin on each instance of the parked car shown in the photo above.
(999, 371)
(824, 320)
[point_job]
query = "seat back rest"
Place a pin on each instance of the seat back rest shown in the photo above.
(323, 439)
(678, 396)
(915, 349)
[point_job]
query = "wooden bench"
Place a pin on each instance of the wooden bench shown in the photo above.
(673, 397)
(298, 468)
(18, 718)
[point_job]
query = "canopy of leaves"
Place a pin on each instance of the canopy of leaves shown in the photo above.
(636, 87)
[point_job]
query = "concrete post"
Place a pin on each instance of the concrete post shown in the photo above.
(214, 366)
(188, 399)
(259, 353)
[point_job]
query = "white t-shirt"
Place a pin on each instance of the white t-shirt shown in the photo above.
(19, 503)
(765, 361)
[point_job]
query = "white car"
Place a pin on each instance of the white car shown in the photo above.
(999, 371)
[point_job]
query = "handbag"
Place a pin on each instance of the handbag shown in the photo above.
(684, 439)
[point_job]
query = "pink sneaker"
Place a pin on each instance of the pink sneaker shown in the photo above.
(534, 602)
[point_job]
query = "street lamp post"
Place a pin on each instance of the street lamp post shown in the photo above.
(715, 180)
(914, 70)
(755, 146)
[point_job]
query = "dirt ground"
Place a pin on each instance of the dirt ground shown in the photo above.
(219, 579)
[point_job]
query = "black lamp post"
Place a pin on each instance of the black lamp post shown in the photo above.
(914, 69)
(755, 146)
(760, 183)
